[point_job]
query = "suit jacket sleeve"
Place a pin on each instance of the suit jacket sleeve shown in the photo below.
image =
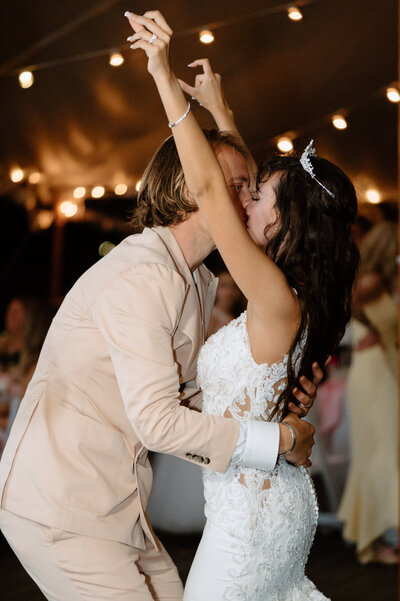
(137, 315)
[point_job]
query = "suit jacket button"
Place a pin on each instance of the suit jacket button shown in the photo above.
(206, 460)
(189, 455)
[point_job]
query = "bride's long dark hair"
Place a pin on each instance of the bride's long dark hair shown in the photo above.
(315, 250)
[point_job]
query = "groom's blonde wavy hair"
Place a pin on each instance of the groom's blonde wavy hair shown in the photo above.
(163, 198)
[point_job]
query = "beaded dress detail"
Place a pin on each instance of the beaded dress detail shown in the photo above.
(270, 516)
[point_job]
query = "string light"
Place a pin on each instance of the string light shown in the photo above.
(34, 177)
(285, 144)
(68, 208)
(339, 121)
(71, 26)
(206, 36)
(16, 175)
(120, 189)
(294, 13)
(98, 192)
(79, 192)
(44, 219)
(26, 79)
(393, 94)
(30, 202)
(373, 196)
(116, 59)
(105, 248)
(138, 184)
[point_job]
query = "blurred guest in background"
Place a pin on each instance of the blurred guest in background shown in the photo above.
(378, 247)
(33, 318)
(229, 302)
(369, 507)
(11, 339)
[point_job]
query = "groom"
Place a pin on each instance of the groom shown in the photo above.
(116, 378)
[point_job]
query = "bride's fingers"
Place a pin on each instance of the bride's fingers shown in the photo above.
(198, 80)
(186, 88)
(135, 26)
(141, 44)
(159, 19)
(150, 25)
(149, 49)
(202, 62)
(144, 35)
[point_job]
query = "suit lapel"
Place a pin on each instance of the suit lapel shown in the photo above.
(207, 287)
(192, 313)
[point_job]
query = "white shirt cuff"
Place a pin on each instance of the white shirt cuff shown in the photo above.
(257, 445)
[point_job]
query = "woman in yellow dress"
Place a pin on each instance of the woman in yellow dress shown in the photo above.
(369, 507)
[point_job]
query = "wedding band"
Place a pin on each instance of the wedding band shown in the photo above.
(153, 38)
(305, 406)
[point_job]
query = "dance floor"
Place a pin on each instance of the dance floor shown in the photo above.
(331, 566)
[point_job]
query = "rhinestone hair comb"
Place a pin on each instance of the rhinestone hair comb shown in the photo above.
(309, 151)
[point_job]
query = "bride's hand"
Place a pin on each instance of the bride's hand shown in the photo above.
(153, 35)
(207, 89)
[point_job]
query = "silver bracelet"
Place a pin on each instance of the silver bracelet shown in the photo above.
(171, 125)
(293, 433)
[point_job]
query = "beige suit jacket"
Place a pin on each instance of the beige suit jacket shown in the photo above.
(107, 389)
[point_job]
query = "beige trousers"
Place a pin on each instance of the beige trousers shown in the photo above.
(72, 567)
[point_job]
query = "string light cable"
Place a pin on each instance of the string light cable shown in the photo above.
(10, 69)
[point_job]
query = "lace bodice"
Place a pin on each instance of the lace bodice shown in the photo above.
(271, 516)
(244, 388)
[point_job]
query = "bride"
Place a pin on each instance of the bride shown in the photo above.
(296, 271)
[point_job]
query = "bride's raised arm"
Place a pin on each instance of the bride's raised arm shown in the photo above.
(259, 278)
(207, 90)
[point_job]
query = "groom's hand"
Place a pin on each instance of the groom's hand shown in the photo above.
(304, 432)
(306, 399)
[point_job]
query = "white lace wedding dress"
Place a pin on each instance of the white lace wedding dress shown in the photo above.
(260, 525)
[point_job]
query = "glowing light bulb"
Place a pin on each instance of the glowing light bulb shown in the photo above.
(373, 196)
(138, 184)
(105, 248)
(116, 59)
(206, 36)
(339, 121)
(285, 144)
(68, 208)
(79, 192)
(294, 13)
(26, 79)
(34, 177)
(16, 175)
(44, 219)
(98, 192)
(393, 94)
(120, 189)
